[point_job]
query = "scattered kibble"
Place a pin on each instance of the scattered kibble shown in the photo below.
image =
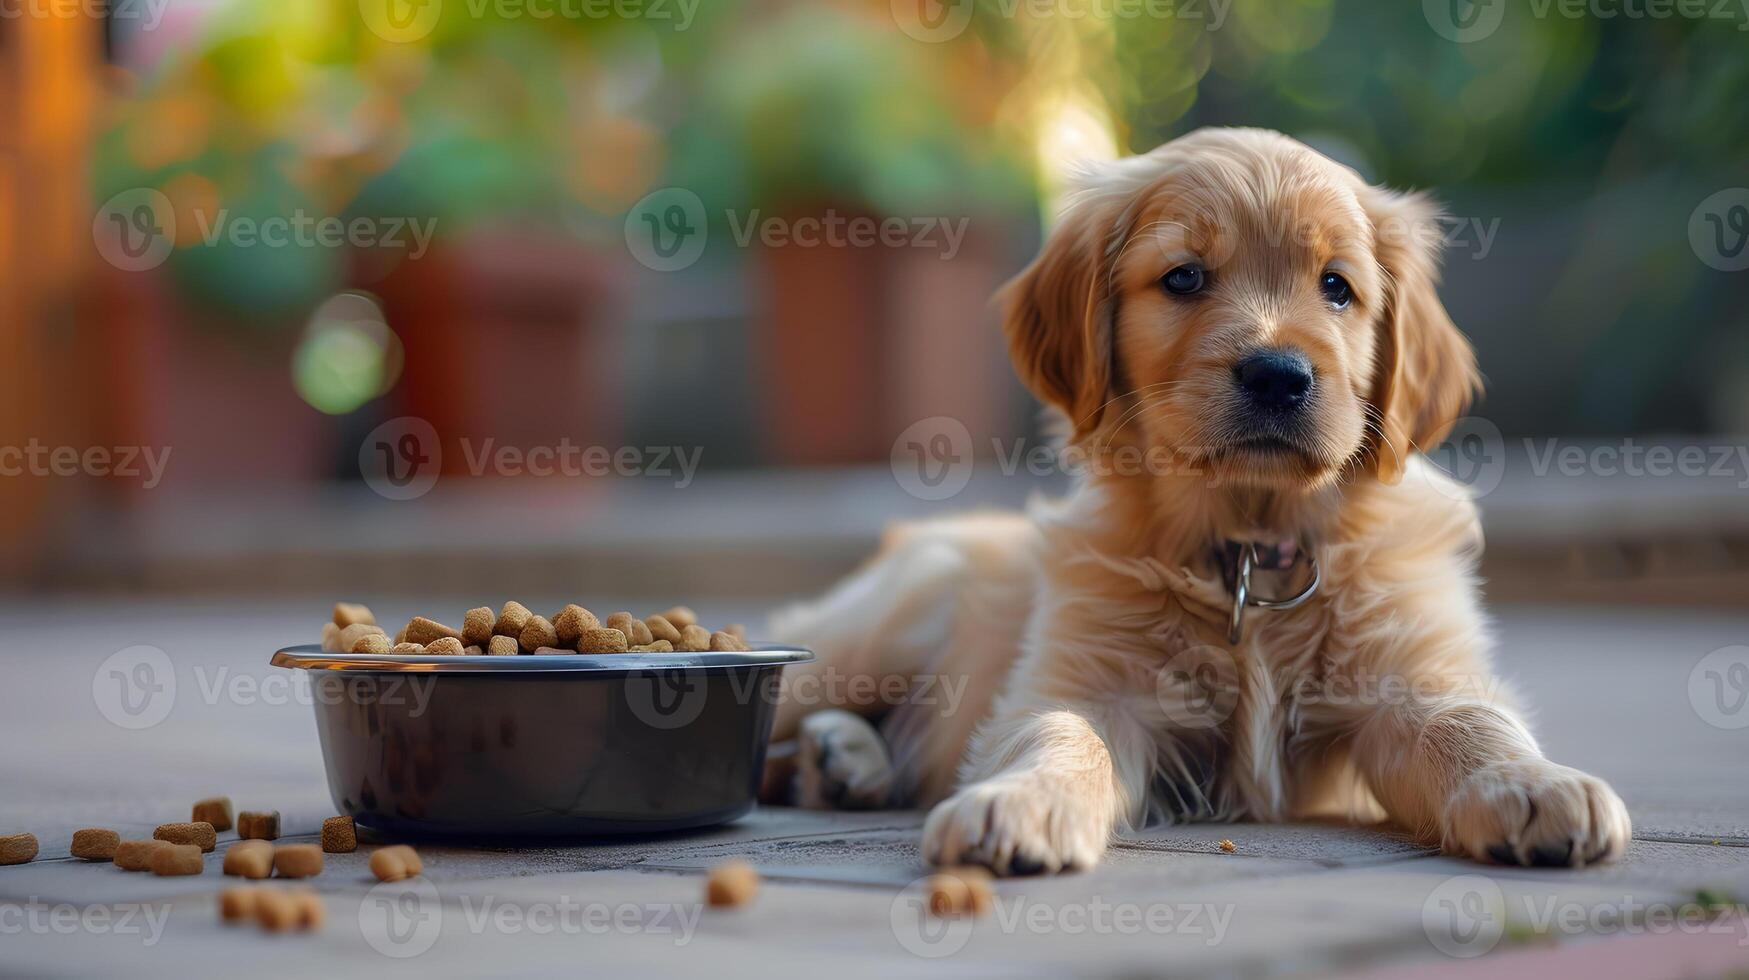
(17, 848)
(136, 855)
(176, 859)
(258, 825)
(276, 911)
(215, 810)
(731, 884)
(297, 860)
(395, 862)
(198, 832)
(249, 859)
(959, 891)
(339, 835)
(1228, 846)
(238, 904)
(95, 844)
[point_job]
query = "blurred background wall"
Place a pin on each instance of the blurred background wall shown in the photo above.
(416, 295)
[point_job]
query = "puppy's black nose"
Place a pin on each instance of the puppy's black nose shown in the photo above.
(1276, 380)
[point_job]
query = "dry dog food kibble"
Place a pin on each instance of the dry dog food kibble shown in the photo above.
(348, 613)
(258, 825)
(275, 911)
(422, 630)
(636, 630)
(395, 862)
(176, 859)
(726, 642)
(662, 629)
(731, 883)
(249, 859)
(339, 836)
(1228, 846)
(660, 646)
(602, 639)
(681, 617)
(959, 891)
(694, 639)
(571, 622)
(297, 860)
(199, 833)
(537, 633)
(350, 635)
(372, 643)
(237, 904)
(330, 638)
(136, 855)
(95, 844)
(477, 626)
(312, 914)
(503, 646)
(511, 619)
(446, 646)
(215, 810)
(407, 648)
(17, 848)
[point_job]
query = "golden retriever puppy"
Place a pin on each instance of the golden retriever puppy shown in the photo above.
(1245, 342)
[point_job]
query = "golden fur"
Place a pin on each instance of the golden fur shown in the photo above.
(1100, 689)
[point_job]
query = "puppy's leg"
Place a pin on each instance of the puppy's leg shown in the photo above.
(842, 763)
(1466, 772)
(1045, 790)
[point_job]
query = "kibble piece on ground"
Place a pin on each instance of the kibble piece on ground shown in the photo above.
(258, 825)
(422, 630)
(948, 895)
(502, 646)
(95, 844)
(198, 832)
(602, 639)
(136, 855)
(330, 638)
(681, 617)
(662, 629)
(297, 860)
(724, 643)
(276, 911)
(477, 626)
(215, 810)
(731, 883)
(17, 848)
(339, 836)
(570, 623)
(694, 639)
(538, 633)
(237, 904)
(349, 636)
(446, 646)
(347, 613)
(312, 914)
(395, 862)
(407, 648)
(177, 859)
(1228, 846)
(636, 630)
(511, 619)
(249, 859)
(372, 643)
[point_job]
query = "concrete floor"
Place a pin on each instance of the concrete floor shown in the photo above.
(1629, 695)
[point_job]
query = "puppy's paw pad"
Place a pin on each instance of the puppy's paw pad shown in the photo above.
(1536, 813)
(1015, 826)
(843, 763)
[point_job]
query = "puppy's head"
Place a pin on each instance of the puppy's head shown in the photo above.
(1248, 305)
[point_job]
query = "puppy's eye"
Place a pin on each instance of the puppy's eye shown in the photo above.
(1336, 290)
(1185, 280)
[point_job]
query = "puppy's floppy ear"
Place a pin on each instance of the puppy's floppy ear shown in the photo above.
(1425, 372)
(1057, 315)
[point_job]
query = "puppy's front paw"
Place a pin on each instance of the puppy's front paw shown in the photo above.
(1533, 812)
(1016, 825)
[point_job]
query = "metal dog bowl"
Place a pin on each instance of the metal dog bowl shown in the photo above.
(546, 745)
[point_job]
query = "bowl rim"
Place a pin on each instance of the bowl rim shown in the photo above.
(311, 656)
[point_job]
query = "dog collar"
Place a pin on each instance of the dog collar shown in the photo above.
(1239, 558)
